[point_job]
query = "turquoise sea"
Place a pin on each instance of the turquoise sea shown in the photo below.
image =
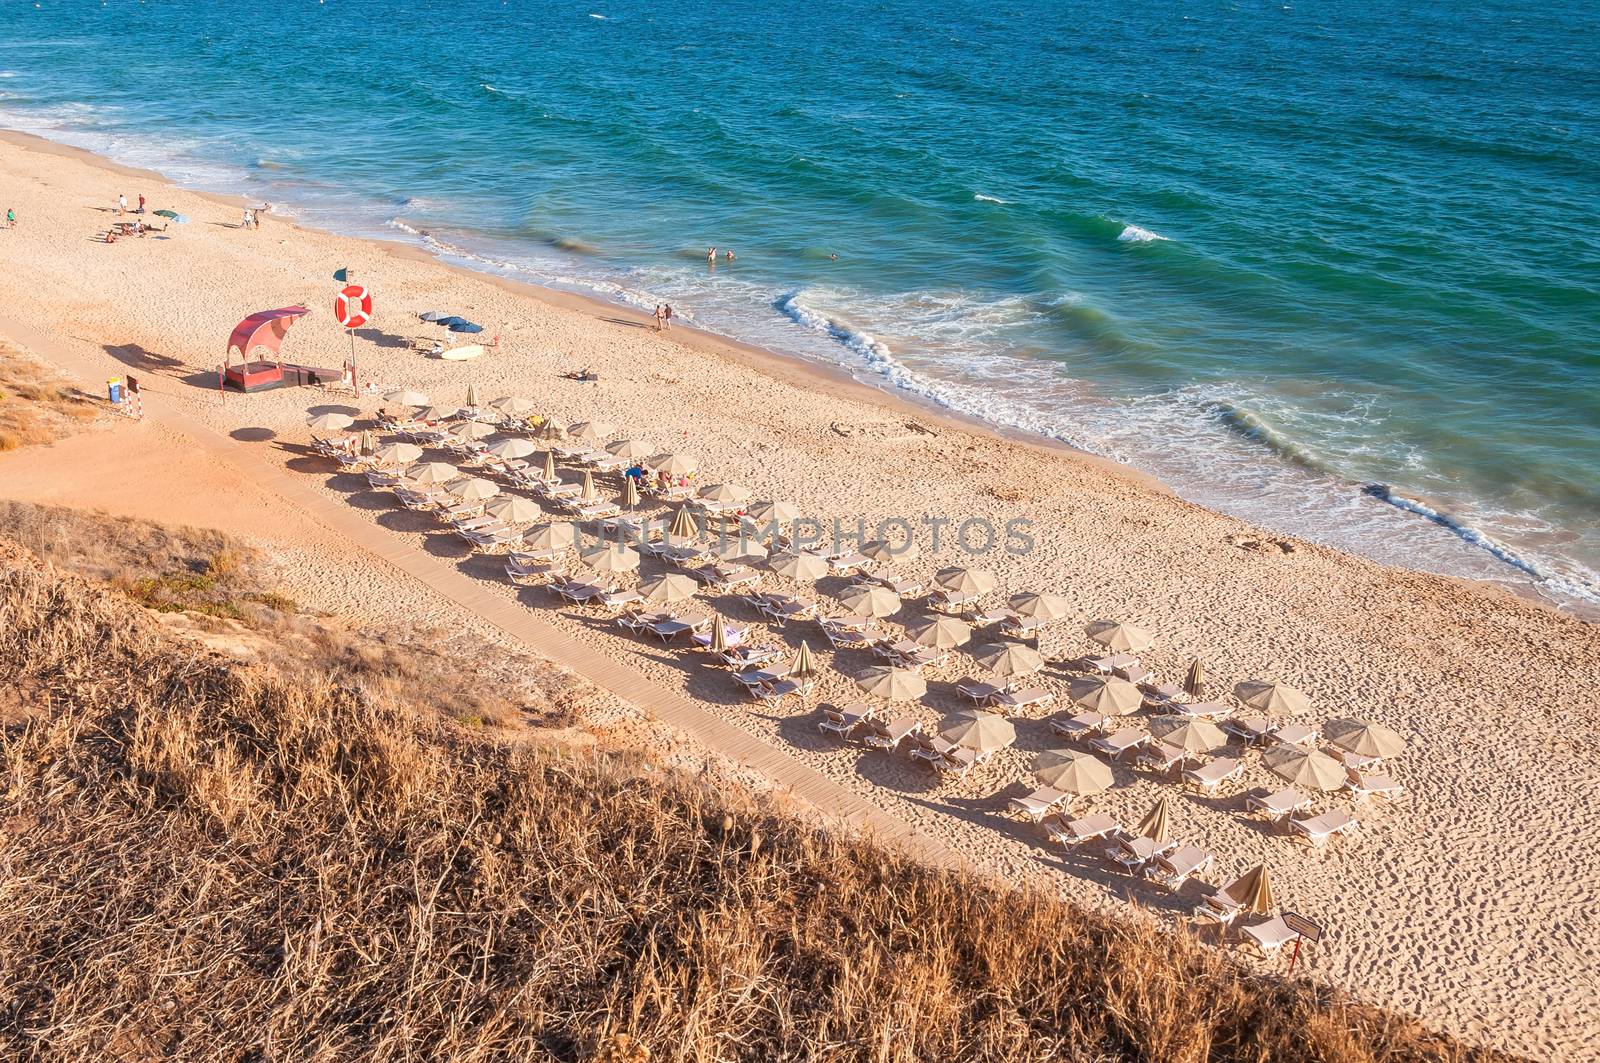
(1333, 267)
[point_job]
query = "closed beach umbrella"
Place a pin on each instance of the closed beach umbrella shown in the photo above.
(729, 492)
(1119, 637)
(431, 472)
(508, 449)
(589, 431)
(398, 454)
(1011, 660)
(514, 509)
(631, 449)
(330, 422)
(804, 663)
(611, 558)
(513, 406)
(779, 513)
(549, 465)
(474, 430)
(472, 488)
(1271, 697)
(472, 394)
(673, 587)
(369, 441)
(1105, 694)
(882, 550)
(1072, 772)
(1252, 890)
(683, 527)
(892, 684)
(871, 601)
(965, 580)
(547, 538)
(1305, 767)
(976, 729)
(719, 635)
(630, 492)
(1039, 606)
(939, 632)
(1196, 679)
(1191, 736)
(801, 566)
(673, 464)
(1367, 739)
(406, 398)
(437, 413)
(588, 494)
(1156, 824)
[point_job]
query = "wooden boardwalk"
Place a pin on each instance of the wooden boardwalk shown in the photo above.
(788, 774)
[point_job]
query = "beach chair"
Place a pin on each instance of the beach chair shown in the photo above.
(618, 599)
(1136, 674)
(1354, 760)
(930, 749)
(1279, 806)
(1078, 831)
(1253, 730)
(1362, 786)
(1133, 855)
(1038, 804)
(1080, 726)
(1161, 696)
(846, 638)
(1160, 757)
(1271, 936)
(978, 690)
(844, 722)
(785, 688)
(749, 656)
(1208, 777)
(1022, 699)
(1199, 710)
(1318, 829)
(1021, 627)
(1173, 869)
(1120, 744)
(959, 761)
(887, 736)
(1293, 734)
(950, 601)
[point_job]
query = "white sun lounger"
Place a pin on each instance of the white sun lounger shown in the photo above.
(978, 690)
(1294, 734)
(1270, 936)
(887, 736)
(1279, 806)
(1038, 804)
(1208, 777)
(1022, 699)
(1318, 829)
(1080, 726)
(1362, 786)
(1160, 757)
(843, 722)
(1173, 869)
(1078, 831)
(1121, 743)
(1252, 729)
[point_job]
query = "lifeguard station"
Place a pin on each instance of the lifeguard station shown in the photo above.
(261, 334)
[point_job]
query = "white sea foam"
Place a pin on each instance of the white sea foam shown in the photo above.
(600, 17)
(981, 198)
(1133, 234)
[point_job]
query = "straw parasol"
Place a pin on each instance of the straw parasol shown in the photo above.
(330, 422)
(1271, 697)
(588, 494)
(672, 464)
(1115, 635)
(369, 441)
(610, 558)
(1367, 739)
(549, 465)
(550, 537)
(1011, 660)
(1072, 772)
(870, 601)
(966, 580)
(1105, 694)
(883, 550)
(728, 492)
(1155, 825)
(472, 488)
(939, 632)
(719, 635)
(738, 548)
(513, 406)
(630, 492)
(398, 454)
(672, 587)
(773, 512)
(1305, 767)
(683, 527)
(437, 413)
(431, 472)
(801, 566)
(631, 449)
(1251, 890)
(976, 729)
(1195, 681)
(1039, 606)
(512, 448)
(475, 430)
(406, 397)
(589, 431)
(472, 394)
(804, 663)
(892, 684)
(1189, 735)
(513, 509)
(550, 431)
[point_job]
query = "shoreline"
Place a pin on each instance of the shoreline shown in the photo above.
(790, 368)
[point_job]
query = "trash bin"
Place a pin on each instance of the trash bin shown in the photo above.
(114, 389)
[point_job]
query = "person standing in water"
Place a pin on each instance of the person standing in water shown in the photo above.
(659, 316)
(711, 256)
(666, 316)
(730, 255)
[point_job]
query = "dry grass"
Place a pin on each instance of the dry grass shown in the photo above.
(202, 861)
(36, 405)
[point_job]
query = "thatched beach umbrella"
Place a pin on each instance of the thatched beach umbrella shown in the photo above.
(330, 422)
(779, 513)
(738, 550)
(672, 464)
(892, 684)
(1105, 694)
(437, 413)
(672, 587)
(1366, 739)
(550, 431)
(369, 441)
(1189, 735)
(472, 488)
(976, 729)
(1195, 681)
(1252, 891)
(1071, 771)
(514, 509)
(939, 632)
(864, 600)
(960, 580)
(719, 635)
(513, 406)
(1010, 661)
(631, 449)
(431, 472)
(683, 528)
(882, 550)
(588, 494)
(804, 663)
(547, 538)
(1310, 768)
(1119, 637)
(1267, 696)
(610, 558)
(728, 492)
(1039, 606)
(398, 454)
(589, 431)
(508, 449)
(472, 394)
(798, 567)
(630, 492)
(1156, 824)
(549, 465)
(406, 397)
(474, 430)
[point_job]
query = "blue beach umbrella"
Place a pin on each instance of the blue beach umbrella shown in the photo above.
(433, 315)
(451, 322)
(466, 326)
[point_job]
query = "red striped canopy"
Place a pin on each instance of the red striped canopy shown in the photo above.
(263, 329)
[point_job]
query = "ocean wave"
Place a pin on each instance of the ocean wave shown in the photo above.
(1467, 533)
(1251, 426)
(981, 198)
(1133, 234)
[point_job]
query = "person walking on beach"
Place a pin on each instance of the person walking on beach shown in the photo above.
(248, 220)
(666, 316)
(11, 218)
(660, 316)
(141, 206)
(122, 205)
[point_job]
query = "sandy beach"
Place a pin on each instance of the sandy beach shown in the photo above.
(1471, 902)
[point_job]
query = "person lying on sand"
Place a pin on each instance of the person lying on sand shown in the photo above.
(585, 374)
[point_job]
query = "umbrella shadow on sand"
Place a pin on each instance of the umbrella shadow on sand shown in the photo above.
(379, 338)
(253, 435)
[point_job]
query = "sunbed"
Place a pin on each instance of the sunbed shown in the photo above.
(1022, 699)
(1173, 869)
(1199, 710)
(1122, 742)
(1279, 806)
(1270, 936)
(1293, 734)
(784, 688)
(1160, 757)
(1208, 777)
(1318, 829)
(887, 736)
(844, 722)
(1362, 786)
(1080, 726)
(1038, 804)
(1078, 831)
(978, 690)
(1133, 855)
